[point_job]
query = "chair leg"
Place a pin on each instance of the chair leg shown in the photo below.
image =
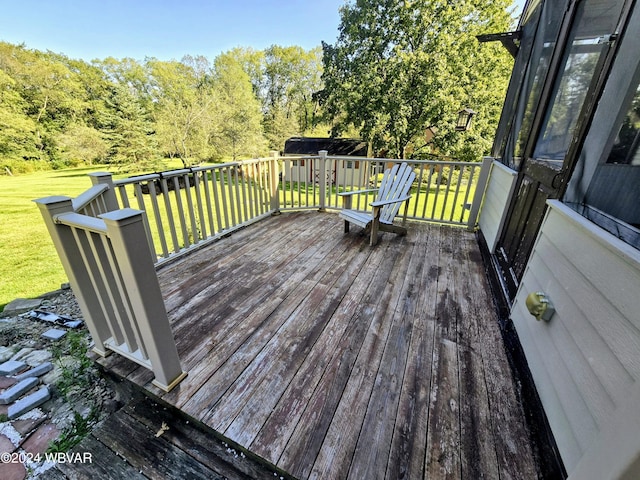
(346, 226)
(373, 239)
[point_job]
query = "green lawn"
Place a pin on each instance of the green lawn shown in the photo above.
(29, 265)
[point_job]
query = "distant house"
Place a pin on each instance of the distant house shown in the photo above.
(346, 171)
(561, 216)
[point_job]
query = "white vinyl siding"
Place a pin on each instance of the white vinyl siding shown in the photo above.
(586, 361)
(496, 201)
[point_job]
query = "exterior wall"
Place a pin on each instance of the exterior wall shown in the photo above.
(502, 181)
(338, 171)
(296, 172)
(586, 361)
(355, 175)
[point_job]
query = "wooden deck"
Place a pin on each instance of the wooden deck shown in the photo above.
(332, 360)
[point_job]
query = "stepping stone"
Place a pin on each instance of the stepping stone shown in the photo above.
(6, 445)
(73, 324)
(36, 371)
(5, 354)
(11, 367)
(36, 357)
(21, 354)
(6, 382)
(13, 471)
(45, 316)
(54, 334)
(39, 440)
(28, 403)
(23, 427)
(12, 394)
(20, 305)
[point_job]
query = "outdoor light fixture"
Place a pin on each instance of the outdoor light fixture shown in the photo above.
(464, 119)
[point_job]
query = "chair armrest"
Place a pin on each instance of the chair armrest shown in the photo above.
(355, 192)
(380, 203)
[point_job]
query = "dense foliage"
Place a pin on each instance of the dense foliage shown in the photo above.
(55, 111)
(397, 75)
(400, 70)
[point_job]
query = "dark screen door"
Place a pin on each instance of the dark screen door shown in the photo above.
(573, 87)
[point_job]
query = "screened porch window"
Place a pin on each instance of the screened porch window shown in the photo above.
(612, 196)
(625, 149)
(589, 42)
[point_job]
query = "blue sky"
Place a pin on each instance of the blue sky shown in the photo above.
(166, 29)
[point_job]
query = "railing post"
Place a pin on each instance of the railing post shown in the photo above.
(125, 229)
(110, 200)
(322, 173)
(273, 184)
(79, 278)
(478, 196)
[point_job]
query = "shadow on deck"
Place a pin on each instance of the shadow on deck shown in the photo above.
(330, 359)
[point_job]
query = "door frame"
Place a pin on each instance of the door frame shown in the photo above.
(554, 180)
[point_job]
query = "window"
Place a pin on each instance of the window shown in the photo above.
(605, 185)
(589, 42)
(539, 31)
(625, 149)
(613, 197)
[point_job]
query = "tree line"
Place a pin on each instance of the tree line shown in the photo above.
(396, 76)
(58, 111)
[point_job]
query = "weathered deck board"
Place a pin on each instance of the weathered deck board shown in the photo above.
(331, 359)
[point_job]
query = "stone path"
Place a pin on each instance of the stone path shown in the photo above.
(33, 410)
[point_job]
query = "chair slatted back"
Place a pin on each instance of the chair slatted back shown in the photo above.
(396, 183)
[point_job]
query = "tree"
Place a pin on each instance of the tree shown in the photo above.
(285, 80)
(80, 144)
(401, 67)
(128, 130)
(184, 108)
(239, 129)
(17, 138)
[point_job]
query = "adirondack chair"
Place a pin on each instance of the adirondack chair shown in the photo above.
(394, 189)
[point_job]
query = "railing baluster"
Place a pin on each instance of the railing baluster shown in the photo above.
(83, 241)
(207, 197)
(242, 193)
(202, 222)
(195, 230)
(107, 279)
(125, 228)
(124, 198)
(164, 188)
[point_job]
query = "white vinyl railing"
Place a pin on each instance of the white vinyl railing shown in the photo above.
(110, 251)
(443, 192)
(190, 206)
(186, 208)
(112, 274)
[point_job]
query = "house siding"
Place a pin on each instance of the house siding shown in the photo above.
(585, 362)
(496, 201)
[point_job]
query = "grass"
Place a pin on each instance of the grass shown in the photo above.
(29, 264)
